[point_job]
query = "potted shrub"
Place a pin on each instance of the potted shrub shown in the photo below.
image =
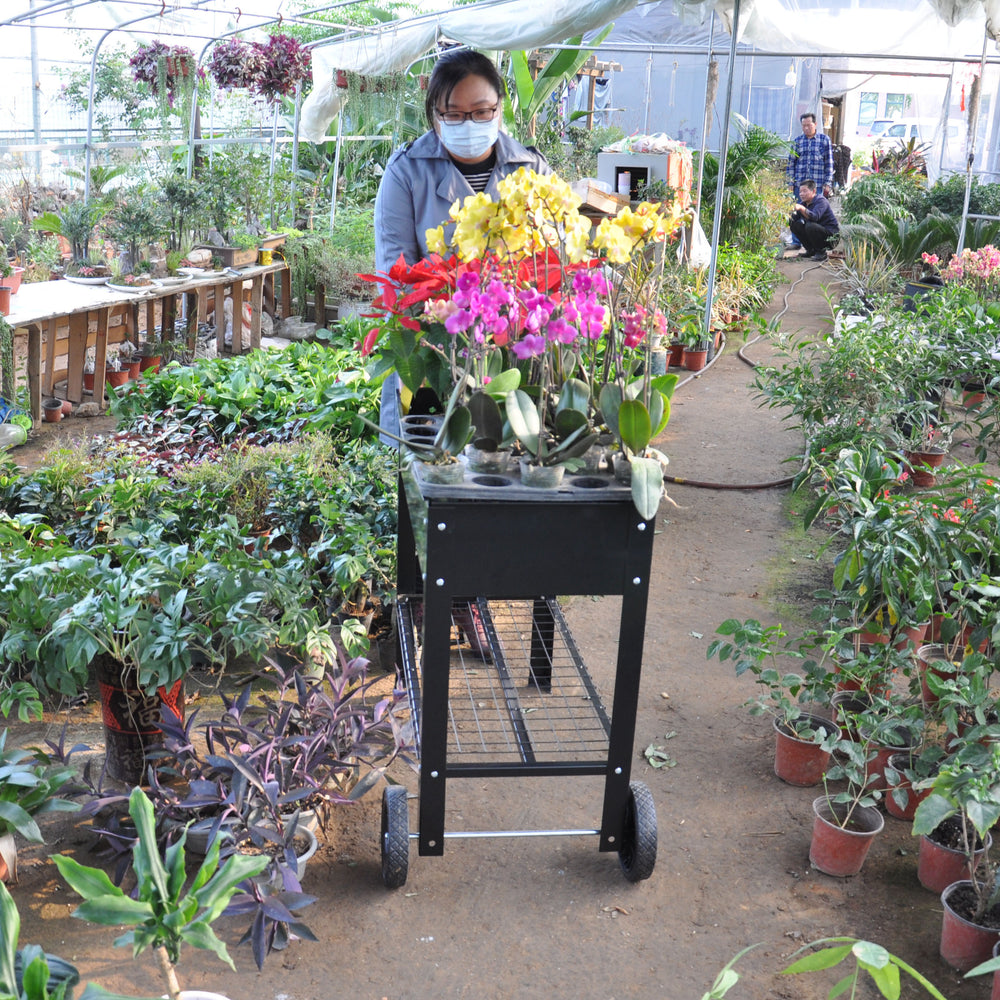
(966, 787)
(803, 740)
(846, 821)
(165, 911)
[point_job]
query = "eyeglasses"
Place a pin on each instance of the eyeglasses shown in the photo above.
(481, 115)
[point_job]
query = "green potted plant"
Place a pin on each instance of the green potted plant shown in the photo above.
(802, 747)
(846, 820)
(165, 911)
(965, 787)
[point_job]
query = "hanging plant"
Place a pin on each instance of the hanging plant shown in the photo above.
(235, 63)
(285, 62)
(165, 69)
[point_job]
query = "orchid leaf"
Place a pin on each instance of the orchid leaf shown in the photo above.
(634, 426)
(523, 417)
(647, 486)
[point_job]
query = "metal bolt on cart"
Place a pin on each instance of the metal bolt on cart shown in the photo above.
(523, 704)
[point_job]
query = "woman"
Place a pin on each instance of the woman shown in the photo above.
(464, 152)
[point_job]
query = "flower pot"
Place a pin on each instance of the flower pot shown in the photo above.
(5, 294)
(800, 761)
(114, 377)
(921, 465)
(675, 356)
(489, 462)
(964, 945)
(939, 865)
(892, 741)
(88, 381)
(52, 410)
(973, 399)
(933, 658)
(995, 992)
(133, 368)
(131, 717)
(844, 705)
(894, 767)
(541, 477)
(13, 280)
(622, 466)
(67, 408)
(694, 359)
(148, 362)
(449, 474)
(837, 850)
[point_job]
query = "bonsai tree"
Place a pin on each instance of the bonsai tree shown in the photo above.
(165, 911)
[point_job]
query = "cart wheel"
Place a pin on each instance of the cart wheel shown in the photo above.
(395, 837)
(637, 854)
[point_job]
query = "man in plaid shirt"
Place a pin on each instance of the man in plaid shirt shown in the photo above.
(811, 158)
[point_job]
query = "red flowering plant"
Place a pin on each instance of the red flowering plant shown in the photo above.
(549, 320)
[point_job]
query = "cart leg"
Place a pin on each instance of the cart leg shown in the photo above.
(637, 853)
(543, 632)
(395, 837)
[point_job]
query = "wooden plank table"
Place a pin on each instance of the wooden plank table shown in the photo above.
(89, 312)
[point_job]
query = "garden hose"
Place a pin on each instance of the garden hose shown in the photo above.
(775, 483)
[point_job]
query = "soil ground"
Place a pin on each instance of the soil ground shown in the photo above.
(553, 917)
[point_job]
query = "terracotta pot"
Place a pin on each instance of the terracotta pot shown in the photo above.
(115, 378)
(964, 945)
(13, 280)
(895, 765)
(67, 408)
(896, 741)
(52, 411)
(133, 368)
(846, 704)
(5, 294)
(921, 465)
(972, 399)
(88, 381)
(933, 658)
(939, 866)
(694, 360)
(798, 761)
(995, 992)
(837, 850)
(675, 354)
(149, 362)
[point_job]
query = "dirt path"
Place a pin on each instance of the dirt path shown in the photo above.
(553, 917)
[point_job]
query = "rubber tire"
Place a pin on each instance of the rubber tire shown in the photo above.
(637, 854)
(395, 840)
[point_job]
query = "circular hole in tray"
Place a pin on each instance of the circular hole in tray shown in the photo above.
(491, 481)
(589, 482)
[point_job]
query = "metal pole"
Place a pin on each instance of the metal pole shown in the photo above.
(977, 88)
(36, 110)
(336, 163)
(721, 186)
(706, 123)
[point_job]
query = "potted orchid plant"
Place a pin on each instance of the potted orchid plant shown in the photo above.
(534, 296)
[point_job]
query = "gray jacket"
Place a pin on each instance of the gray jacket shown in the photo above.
(419, 187)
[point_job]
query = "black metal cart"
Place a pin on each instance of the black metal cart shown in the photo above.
(531, 708)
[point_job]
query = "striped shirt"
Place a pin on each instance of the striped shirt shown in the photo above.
(478, 174)
(811, 159)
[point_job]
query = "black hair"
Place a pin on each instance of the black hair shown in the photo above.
(807, 183)
(807, 114)
(450, 70)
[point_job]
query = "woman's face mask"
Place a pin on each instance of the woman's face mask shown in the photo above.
(470, 140)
